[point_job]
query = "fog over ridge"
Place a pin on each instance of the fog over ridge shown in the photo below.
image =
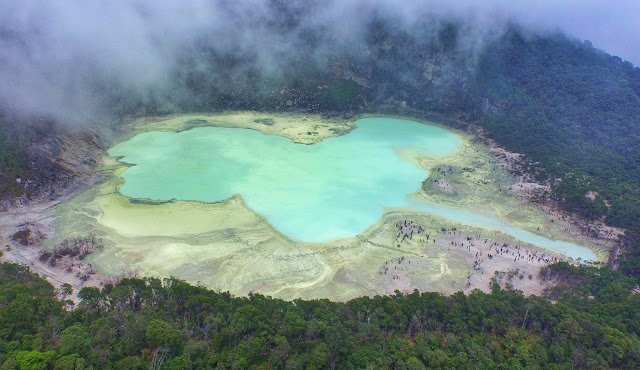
(74, 60)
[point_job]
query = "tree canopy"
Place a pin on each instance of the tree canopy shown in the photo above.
(590, 320)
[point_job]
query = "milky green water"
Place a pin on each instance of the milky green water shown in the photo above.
(313, 193)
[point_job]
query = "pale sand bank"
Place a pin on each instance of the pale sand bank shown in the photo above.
(226, 246)
(303, 129)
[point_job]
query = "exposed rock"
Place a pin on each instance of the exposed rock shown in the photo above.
(59, 163)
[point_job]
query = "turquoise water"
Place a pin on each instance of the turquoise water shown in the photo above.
(313, 193)
(489, 222)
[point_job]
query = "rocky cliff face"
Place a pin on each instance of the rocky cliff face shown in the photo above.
(56, 162)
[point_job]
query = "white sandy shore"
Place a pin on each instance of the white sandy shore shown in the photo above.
(226, 246)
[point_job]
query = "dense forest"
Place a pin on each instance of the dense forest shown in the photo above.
(139, 324)
(575, 110)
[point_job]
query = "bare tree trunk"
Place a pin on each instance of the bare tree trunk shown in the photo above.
(159, 355)
(525, 317)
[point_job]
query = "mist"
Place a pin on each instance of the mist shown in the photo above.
(77, 60)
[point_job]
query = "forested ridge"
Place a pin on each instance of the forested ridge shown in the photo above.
(574, 111)
(169, 324)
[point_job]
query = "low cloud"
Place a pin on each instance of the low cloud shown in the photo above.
(74, 59)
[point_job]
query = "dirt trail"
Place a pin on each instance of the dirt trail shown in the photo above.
(34, 218)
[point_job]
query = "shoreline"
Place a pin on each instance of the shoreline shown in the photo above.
(528, 190)
(335, 277)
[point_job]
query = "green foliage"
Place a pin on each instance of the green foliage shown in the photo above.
(66, 289)
(69, 362)
(177, 363)
(130, 362)
(31, 360)
(75, 340)
(161, 334)
(140, 323)
(12, 162)
(343, 94)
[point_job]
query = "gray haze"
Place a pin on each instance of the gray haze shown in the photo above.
(610, 25)
(62, 58)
